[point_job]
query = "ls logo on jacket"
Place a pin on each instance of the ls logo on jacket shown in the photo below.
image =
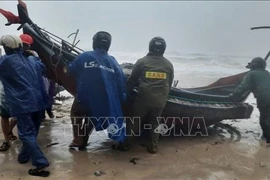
(94, 64)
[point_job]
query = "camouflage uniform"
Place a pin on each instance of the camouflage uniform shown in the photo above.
(155, 76)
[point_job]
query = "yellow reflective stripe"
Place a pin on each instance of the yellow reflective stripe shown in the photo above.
(155, 75)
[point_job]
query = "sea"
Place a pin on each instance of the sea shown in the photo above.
(193, 70)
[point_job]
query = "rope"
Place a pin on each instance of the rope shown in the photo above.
(55, 65)
(198, 101)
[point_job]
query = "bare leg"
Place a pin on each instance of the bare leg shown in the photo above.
(5, 127)
(12, 124)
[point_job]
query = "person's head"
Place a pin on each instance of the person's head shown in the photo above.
(11, 43)
(102, 40)
(157, 46)
(27, 40)
(256, 63)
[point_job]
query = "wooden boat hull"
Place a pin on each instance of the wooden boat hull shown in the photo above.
(209, 113)
(181, 103)
(191, 104)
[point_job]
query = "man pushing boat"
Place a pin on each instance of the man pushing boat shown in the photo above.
(100, 92)
(257, 81)
(153, 75)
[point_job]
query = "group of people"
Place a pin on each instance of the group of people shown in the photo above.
(102, 91)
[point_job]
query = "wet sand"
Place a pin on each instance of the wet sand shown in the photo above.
(232, 151)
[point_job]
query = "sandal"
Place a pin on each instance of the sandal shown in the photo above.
(11, 136)
(5, 146)
(120, 147)
(51, 115)
(38, 172)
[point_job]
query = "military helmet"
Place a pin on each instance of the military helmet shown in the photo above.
(157, 45)
(102, 40)
(256, 63)
(11, 41)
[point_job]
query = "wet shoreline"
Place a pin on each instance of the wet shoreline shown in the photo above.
(232, 150)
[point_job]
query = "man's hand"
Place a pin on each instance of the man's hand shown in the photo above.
(33, 53)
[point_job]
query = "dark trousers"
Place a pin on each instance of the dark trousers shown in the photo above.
(81, 130)
(143, 115)
(28, 128)
(265, 122)
(49, 110)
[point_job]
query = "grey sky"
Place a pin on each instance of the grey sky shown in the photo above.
(188, 27)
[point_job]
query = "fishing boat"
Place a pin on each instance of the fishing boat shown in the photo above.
(209, 103)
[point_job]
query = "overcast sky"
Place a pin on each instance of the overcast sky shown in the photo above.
(188, 27)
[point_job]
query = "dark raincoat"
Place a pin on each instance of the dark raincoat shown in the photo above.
(26, 99)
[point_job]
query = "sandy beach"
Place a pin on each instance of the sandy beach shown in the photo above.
(232, 150)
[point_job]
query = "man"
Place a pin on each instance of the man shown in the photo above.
(25, 98)
(257, 81)
(153, 74)
(27, 40)
(7, 126)
(100, 92)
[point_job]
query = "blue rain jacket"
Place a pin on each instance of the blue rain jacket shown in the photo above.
(23, 83)
(101, 89)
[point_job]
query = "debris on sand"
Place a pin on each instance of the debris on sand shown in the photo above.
(56, 102)
(262, 164)
(59, 115)
(62, 98)
(134, 160)
(96, 163)
(51, 144)
(215, 143)
(99, 173)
